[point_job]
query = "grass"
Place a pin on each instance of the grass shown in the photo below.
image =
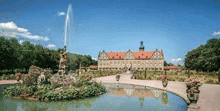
(208, 79)
(97, 74)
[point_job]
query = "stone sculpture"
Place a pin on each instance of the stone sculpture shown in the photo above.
(63, 63)
(193, 91)
(165, 80)
(41, 78)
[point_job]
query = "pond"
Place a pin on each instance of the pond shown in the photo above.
(119, 97)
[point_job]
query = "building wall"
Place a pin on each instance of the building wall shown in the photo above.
(151, 65)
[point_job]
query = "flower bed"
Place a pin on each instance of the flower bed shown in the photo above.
(47, 92)
(39, 85)
(208, 79)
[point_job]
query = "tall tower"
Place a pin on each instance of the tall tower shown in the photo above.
(141, 48)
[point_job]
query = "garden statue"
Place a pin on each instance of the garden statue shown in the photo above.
(164, 79)
(117, 77)
(63, 63)
(192, 91)
(41, 78)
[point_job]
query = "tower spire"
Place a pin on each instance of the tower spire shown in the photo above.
(141, 48)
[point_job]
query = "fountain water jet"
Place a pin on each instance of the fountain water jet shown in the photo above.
(63, 55)
(68, 24)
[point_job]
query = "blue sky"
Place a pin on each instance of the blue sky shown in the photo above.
(175, 27)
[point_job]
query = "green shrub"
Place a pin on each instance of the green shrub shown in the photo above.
(182, 79)
(46, 92)
(209, 81)
(158, 77)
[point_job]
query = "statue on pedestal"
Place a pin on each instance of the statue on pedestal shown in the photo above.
(63, 63)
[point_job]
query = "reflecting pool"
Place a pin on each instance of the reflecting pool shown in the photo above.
(119, 97)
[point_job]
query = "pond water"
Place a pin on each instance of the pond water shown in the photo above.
(119, 97)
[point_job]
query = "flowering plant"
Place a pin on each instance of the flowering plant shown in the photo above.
(192, 82)
(163, 77)
(18, 74)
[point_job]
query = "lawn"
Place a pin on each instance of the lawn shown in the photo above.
(209, 79)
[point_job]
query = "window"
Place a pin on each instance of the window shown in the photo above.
(113, 57)
(120, 57)
(138, 56)
(116, 54)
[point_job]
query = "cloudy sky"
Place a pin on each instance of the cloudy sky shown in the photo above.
(114, 25)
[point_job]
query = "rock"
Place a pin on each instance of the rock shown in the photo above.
(33, 74)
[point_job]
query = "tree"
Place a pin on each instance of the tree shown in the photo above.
(205, 57)
(165, 63)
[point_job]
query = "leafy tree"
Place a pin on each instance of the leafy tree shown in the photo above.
(205, 57)
(21, 56)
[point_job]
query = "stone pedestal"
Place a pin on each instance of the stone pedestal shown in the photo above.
(63, 70)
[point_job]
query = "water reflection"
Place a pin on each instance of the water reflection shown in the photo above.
(24, 105)
(141, 92)
(123, 97)
(164, 97)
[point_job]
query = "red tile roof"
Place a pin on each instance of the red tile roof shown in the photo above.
(116, 55)
(93, 66)
(138, 55)
(173, 67)
(143, 54)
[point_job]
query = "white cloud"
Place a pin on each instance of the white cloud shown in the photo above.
(10, 29)
(176, 61)
(21, 41)
(216, 33)
(94, 58)
(75, 53)
(51, 45)
(61, 13)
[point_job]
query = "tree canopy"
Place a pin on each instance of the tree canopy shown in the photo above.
(21, 56)
(205, 57)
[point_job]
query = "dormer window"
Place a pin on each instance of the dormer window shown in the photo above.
(146, 56)
(142, 54)
(116, 54)
(113, 57)
(138, 56)
(120, 57)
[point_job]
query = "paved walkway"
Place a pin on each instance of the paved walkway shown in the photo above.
(209, 98)
(2, 82)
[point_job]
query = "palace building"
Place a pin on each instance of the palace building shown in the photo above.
(140, 60)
